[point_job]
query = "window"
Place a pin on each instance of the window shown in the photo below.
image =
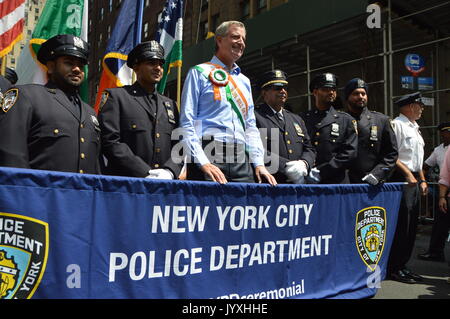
(245, 9)
(203, 29)
(262, 6)
(146, 30)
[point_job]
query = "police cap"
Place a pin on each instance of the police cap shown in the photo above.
(323, 80)
(63, 44)
(409, 98)
(145, 51)
(354, 84)
(444, 127)
(274, 77)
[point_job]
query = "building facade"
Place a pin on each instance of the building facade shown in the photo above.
(401, 48)
(33, 9)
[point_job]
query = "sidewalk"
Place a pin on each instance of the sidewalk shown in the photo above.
(435, 274)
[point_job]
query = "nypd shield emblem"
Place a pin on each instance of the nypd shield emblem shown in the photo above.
(9, 99)
(370, 234)
(23, 255)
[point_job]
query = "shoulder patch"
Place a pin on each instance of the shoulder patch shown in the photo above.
(9, 99)
(103, 100)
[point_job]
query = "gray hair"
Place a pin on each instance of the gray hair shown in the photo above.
(222, 29)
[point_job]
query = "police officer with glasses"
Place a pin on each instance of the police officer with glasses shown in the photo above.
(284, 135)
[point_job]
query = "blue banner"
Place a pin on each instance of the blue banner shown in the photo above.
(86, 236)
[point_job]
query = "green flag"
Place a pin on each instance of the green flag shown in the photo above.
(57, 17)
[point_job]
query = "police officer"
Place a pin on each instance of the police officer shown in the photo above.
(137, 121)
(49, 127)
(408, 169)
(284, 135)
(333, 133)
(441, 224)
(377, 146)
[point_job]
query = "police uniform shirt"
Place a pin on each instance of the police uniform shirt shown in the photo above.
(334, 136)
(40, 130)
(377, 147)
(136, 131)
(409, 142)
(436, 158)
(291, 135)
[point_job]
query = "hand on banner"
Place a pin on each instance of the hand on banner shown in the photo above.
(296, 171)
(160, 173)
(261, 171)
(214, 173)
(370, 179)
(314, 176)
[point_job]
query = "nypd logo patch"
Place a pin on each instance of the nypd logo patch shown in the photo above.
(9, 99)
(370, 235)
(23, 255)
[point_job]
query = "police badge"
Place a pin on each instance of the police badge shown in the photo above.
(169, 111)
(298, 129)
(335, 129)
(9, 99)
(370, 234)
(23, 255)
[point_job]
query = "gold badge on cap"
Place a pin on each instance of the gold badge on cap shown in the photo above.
(78, 42)
(9, 99)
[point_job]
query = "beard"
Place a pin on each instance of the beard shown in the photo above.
(358, 104)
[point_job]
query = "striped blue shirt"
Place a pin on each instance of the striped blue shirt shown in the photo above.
(201, 115)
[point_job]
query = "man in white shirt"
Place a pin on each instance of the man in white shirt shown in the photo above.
(441, 220)
(408, 169)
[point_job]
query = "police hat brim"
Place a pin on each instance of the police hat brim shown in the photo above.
(146, 57)
(68, 50)
(274, 83)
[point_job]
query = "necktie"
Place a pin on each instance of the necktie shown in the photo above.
(76, 105)
(280, 119)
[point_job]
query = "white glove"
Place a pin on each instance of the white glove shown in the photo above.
(160, 173)
(314, 176)
(370, 179)
(296, 171)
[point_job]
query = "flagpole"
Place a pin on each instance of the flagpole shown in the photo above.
(179, 87)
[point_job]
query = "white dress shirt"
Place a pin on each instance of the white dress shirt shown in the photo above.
(410, 143)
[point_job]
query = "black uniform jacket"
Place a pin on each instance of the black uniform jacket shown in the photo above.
(292, 138)
(336, 141)
(134, 138)
(41, 131)
(377, 147)
(4, 85)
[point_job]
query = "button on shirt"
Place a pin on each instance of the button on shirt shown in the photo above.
(202, 115)
(410, 143)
